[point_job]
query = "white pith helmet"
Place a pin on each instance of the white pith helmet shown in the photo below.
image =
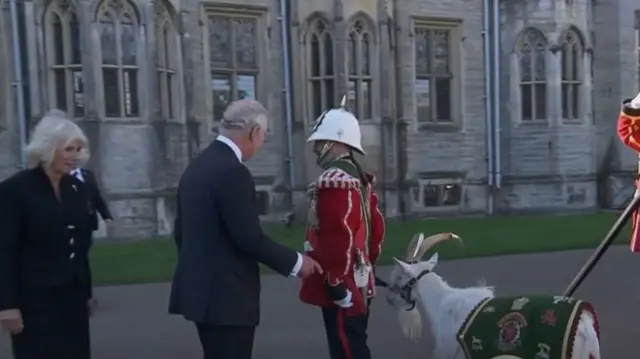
(338, 125)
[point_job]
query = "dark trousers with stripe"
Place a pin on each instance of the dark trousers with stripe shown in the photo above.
(346, 334)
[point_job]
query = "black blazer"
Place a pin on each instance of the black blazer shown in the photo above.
(220, 243)
(43, 242)
(98, 205)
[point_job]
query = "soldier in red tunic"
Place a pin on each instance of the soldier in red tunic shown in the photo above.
(345, 234)
(629, 133)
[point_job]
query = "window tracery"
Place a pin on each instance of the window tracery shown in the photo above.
(533, 75)
(572, 77)
(359, 54)
(321, 70)
(166, 66)
(118, 27)
(64, 58)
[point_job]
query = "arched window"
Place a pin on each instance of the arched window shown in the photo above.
(572, 50)
(64, 60)
(533, 77)
(359, 53)
(167, 48)
(321, 74)
(118, 24)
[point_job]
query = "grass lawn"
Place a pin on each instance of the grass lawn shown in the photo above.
(154, 260)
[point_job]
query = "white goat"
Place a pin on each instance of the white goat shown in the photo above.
(413, 281)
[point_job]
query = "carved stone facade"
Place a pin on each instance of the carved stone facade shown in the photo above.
(148, 81)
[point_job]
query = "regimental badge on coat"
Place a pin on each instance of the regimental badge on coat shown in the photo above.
(511, 326)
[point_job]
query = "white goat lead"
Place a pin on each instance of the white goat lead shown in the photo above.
(447, 308)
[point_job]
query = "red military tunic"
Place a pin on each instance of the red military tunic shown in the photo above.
(337, 232)
(629, 133)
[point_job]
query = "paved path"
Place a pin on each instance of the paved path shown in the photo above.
(133, 324)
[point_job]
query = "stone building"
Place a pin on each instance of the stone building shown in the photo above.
(149, 80)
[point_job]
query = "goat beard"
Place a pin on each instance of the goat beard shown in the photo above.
(410, 323)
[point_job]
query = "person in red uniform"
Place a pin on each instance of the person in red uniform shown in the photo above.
(629, 133)
(345, 234)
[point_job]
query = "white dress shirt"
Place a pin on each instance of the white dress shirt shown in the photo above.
(227, 141)
(77, 173)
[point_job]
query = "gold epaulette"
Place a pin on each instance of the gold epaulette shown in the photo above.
(633, 119)
(336, 178)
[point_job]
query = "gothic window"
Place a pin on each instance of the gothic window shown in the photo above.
(321, 74)
(434, 73)
(533, 77)
(167, 48)
(64, 58)
(234, 59)
(359, 53)
(571, 55)
(118, 27)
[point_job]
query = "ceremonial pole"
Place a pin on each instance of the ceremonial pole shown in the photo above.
(602, 248)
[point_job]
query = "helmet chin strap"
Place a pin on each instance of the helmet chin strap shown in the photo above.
(324, 155)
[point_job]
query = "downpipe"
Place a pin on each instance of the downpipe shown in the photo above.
(285, 35)
(497, 90)
(18, 83)
(399, 123)
(488, 103)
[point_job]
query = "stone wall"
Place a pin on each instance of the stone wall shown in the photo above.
(438, 168)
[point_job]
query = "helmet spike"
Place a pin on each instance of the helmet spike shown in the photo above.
(343, 102)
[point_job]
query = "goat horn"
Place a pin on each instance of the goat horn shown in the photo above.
(413, 246)
(419, 247)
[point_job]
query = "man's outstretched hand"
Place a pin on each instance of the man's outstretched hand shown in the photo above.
(309, 267)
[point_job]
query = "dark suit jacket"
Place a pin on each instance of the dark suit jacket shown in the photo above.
(220, 243)
(98, 205)
(44, 243)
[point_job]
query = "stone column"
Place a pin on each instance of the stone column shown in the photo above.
(554, 107)
(586, 95)
(9, 138)
(36, 64)
(91, 62)
(340, 41)
(554, 85)
(385, 81)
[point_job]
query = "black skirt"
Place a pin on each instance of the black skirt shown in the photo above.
(56, 324)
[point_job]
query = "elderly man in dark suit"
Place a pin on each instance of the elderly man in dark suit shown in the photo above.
(220, 242)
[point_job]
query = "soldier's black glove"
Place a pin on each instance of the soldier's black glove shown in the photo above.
(340, 295)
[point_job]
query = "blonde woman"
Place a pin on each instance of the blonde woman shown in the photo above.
(44, 267)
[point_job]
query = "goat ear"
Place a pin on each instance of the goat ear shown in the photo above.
(406, 267)
(433, 261)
